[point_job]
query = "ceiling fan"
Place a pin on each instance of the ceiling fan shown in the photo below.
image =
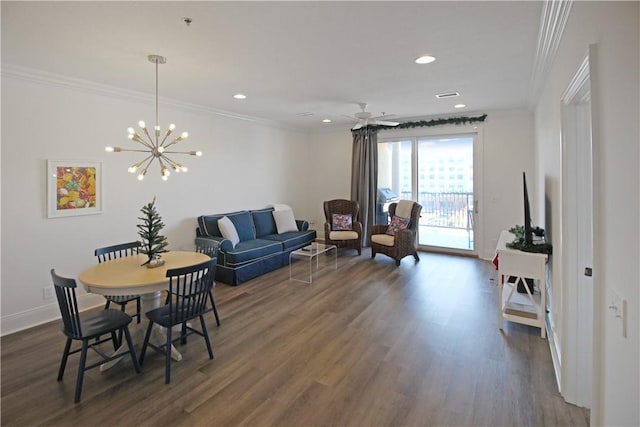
(364, 118)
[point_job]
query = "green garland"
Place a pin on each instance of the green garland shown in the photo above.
(434, 122)
(519, 243)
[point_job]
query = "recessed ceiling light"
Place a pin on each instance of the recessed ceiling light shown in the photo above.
(425, 59)
(459, 105)
(326, 120)
(240, 96)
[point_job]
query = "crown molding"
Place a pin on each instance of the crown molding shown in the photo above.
(57, 80)
(553, 21)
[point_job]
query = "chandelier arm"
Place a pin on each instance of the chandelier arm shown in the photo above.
(142, 141)
(134, 151)
(146, 167)
(165, 138)
(146, 132)
(191, 153)
(169, 161)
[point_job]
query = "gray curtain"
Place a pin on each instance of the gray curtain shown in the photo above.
(364, 177)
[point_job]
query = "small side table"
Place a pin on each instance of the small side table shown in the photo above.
(310, 252)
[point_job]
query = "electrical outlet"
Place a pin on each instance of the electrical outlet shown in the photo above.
(48, 293)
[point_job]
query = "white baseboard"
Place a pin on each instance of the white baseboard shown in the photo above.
(45, 313)
(556, 355)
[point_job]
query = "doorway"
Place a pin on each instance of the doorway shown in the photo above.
(577, 237)
(437, 171)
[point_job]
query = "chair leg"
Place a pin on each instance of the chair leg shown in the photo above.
(116, 342)
(183, 334)
(145, 343)
(132, 349)
(415, 255)
(122, 308)
(139, 309)
(215, 309)
(106, 306)
(167, 363)
(65, 356)
(205, 333)
(81, 365)
(397, 263)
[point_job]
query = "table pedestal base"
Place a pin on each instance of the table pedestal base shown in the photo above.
(147, 303)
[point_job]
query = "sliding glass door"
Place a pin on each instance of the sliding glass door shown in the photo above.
(438, 173)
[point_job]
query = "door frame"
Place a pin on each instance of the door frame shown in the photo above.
(478, 174)
(576, 357)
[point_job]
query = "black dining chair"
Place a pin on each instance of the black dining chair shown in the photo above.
(118, 251)
(87, 327)
(189, 288)
(207, 247)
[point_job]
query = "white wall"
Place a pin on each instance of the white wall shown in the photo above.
(245, 166)
(614, 28)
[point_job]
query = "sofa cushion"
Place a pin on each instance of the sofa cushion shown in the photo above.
(285, 221)
(263, 222)
(244, 225)
(249, 251)
(208, 224)
(228, 230)
(293, 239)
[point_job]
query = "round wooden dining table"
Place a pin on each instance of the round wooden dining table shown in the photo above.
(127, 276)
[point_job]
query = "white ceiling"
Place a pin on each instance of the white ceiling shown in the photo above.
(289, 57)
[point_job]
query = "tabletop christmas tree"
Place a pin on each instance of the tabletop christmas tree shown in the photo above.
(153, 243)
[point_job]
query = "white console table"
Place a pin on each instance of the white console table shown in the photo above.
(526, 308)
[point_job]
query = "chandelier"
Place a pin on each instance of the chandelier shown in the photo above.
(156, 144)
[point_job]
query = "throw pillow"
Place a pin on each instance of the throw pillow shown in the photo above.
(397, 223)
(285, 221)
(228, 230)
(341, 222)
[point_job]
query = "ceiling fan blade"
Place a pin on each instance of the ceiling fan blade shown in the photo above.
(357, 126)
(386, 123)
(384, 116)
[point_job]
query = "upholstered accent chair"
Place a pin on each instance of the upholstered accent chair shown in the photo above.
(397, 239)
(341, 227)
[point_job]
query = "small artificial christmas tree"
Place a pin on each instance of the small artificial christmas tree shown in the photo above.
(153, 243)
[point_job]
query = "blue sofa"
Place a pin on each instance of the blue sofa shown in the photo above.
(260, 250)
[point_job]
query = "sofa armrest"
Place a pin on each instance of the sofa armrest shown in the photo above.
(223, 244)
(302, 225)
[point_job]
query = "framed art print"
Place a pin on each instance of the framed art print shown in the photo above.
(74, 187)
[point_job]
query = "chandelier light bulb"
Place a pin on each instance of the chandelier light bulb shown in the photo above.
(185, 135)
(160, 150)
(132, 169)
(142, 124)
(108, 149)
(184, 169)
(131, 130)
(172, 127)
(140, 177)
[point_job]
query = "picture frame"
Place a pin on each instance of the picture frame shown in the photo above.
(74, 187)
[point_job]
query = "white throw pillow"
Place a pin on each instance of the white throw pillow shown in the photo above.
(285, 221)
(228, 230)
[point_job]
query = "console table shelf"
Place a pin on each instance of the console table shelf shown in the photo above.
(524, 308)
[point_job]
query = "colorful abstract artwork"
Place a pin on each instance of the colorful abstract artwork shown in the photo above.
(74, 188)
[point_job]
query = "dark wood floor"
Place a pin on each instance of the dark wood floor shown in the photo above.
(366, 345)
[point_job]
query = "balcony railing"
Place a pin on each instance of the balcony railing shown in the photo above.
(445, 211)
